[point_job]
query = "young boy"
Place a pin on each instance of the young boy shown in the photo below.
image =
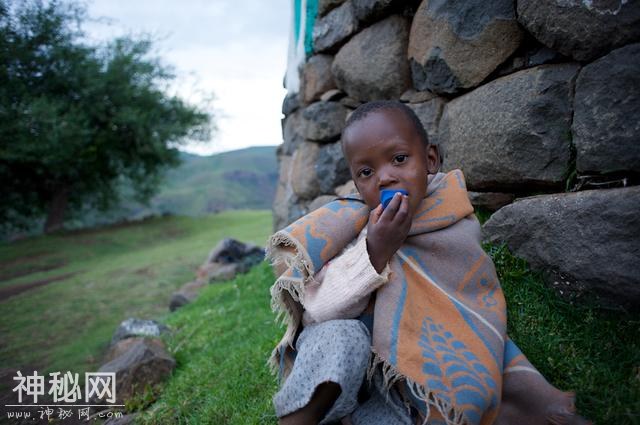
(440, 350)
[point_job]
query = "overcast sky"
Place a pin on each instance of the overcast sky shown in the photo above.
(235, 49)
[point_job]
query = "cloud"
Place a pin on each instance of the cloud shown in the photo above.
(235, 49)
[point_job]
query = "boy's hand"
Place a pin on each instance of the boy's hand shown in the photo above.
(387, 230)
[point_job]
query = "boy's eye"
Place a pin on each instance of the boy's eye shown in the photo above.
(365, 172)
(399, 159)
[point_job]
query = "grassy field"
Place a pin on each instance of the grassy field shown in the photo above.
(221, 347)
(105, 276)
(221, 341)
(225, 337)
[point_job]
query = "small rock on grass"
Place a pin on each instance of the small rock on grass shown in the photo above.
(138, 327)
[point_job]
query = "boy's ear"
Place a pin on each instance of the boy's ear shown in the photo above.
(433, 159)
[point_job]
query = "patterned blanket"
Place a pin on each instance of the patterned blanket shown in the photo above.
(439, 328)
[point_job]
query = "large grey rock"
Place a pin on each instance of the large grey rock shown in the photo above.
(456, 44)
(218, 272)
(145, 363)
(414, 96)
(316, 77)
(230, 250)
(373, 64)
(606, 122)
(324, 6)
(292, 133)
(512, 133)
(186, 294)
(530, 53)
(227, 259)
(371, 10)
(587, 239)
(138, 327)
(581, 29)
(124, 345)
(290, 103)
(320, 201)
(346, 189)
(332, 95)
(330, 31)
(323, 121)
(430, 113)
(491, 201)
(331, 168)
(286, 203)
(292, 209)
(304, 180)
(350, 103)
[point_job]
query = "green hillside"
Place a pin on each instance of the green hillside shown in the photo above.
(239, 179)
(242, 179)
(200, 185)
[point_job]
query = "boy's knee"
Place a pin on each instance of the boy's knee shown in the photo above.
(342, 336)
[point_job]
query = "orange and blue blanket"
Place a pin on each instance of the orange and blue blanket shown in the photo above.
(439, 324)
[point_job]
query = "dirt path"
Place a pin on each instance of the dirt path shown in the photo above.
(9, 291)
(12, 274)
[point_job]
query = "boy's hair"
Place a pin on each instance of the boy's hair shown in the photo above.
(388, 105)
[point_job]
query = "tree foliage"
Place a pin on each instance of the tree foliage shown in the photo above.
(77, 119)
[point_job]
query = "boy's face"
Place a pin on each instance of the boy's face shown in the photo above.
(384, 151)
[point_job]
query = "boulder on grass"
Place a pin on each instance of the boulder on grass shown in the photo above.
(186, 294)
(586, 239)
(124, 345)
(138, 327)
(217, 272)
(145, 363)
(231, 251)
(490, 201)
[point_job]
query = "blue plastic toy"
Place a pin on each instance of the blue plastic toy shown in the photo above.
(387, 194)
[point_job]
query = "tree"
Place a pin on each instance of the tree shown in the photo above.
(76, 120)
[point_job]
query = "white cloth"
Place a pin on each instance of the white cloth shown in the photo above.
(342, 288)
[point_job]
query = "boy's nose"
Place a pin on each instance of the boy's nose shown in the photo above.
(386, 179)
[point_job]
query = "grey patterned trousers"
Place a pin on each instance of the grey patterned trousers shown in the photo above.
(338, 351)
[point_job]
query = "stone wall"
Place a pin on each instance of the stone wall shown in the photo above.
(526, 97)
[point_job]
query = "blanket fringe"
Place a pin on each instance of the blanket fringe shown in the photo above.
(390, 376)
(285, 316)
(282, 249)
(276, 253)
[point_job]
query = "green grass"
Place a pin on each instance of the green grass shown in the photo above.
(120, 272)
(224, 338)
(221, 345)
(577, 347)
(221, 342)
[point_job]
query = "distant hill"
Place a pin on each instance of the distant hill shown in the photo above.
(242, 179)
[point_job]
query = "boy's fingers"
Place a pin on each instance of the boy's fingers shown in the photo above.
(391, 209)
(403, 211)
(374, 216)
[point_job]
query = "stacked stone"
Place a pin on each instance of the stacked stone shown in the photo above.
(526, 97)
